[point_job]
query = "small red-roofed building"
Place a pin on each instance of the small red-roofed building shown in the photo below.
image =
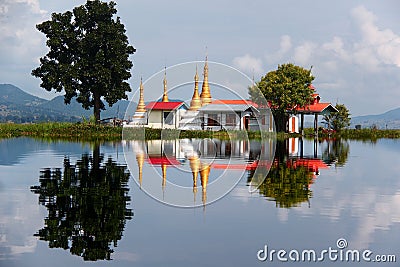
(315, 108)
(165, 115)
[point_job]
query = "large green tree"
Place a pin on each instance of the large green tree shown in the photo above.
(284, 88)
(88, 56)
(338, 120)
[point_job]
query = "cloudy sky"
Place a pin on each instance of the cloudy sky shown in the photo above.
(353, 46)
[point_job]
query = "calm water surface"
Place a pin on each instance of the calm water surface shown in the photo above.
(74, 204)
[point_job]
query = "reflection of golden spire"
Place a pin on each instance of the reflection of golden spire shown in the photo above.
(195, 104)
(141, 107)
(195, 167)
(165, 95)
(140, 161)
(164, 176)
(204, 174)
(205, 89)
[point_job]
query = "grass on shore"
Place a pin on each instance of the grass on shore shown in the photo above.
(93, 132)
(61, 130)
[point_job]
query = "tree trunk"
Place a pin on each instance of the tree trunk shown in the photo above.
(281, 119)
(96, 108)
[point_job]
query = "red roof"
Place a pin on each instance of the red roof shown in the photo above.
(316, 108)
(164, 105)
(235, 102)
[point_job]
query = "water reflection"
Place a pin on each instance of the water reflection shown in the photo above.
(183, 167)
(284, 176)
(87, 205)
(293, 171)
(336, 152)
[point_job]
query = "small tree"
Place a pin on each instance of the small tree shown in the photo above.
(284, 88)
(88, 57)
(338, 120)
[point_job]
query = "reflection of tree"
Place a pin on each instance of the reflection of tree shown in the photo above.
(336, 152)
(287, 183)
(87, 205)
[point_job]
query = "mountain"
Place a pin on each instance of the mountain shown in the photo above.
(389, 120)
(18, 106)
(10, 94)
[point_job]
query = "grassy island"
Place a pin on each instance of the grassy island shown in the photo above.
(88, 131)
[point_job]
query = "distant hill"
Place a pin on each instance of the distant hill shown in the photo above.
(18, 106)
(10, 94)
(390, 120)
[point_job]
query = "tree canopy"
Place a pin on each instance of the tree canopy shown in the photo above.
(338, 120)
(88, 56)
(284, 88)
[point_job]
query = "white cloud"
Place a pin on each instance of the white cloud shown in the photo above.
(248, 64)
(336, 46)
(21, 42)
(304, 53)
(284, 47)
(378, 46)
(285, 44)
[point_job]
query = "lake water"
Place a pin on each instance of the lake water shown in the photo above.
(119, 204)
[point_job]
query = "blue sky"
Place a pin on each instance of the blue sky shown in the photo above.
(353, 46)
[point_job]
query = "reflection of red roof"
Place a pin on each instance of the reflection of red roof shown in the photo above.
(244, 166)
(311, 164)
(235, 102)
(317, 107)
(163, 161)
(164, 105)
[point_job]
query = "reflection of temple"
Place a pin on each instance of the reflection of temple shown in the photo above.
(201, 156)
(295, 166)
(295, 148)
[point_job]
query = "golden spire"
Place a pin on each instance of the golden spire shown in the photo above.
(195, 104)
(205, 89)
(165, 95)
(141, 107)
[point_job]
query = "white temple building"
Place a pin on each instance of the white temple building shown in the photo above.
(203, 113)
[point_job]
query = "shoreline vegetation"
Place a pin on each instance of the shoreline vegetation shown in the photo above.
(91, 132)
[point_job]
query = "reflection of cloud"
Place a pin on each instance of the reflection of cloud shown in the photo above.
(20, 219)
(241, 193)
(283, 215)
(380, 212)
(126, 256)
(374, 211)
